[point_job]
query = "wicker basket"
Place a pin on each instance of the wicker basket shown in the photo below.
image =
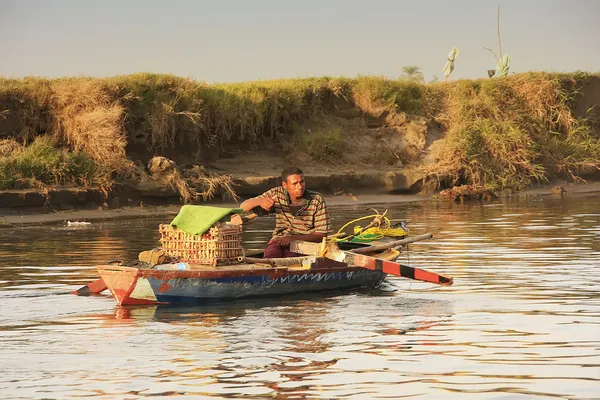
(220, 245)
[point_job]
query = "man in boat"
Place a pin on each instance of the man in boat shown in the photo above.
(300, 214)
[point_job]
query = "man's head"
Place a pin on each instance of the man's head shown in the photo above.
(292, 180)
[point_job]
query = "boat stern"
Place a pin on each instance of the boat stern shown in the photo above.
(126, 285)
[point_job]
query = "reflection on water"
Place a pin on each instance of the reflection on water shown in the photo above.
(520, 321)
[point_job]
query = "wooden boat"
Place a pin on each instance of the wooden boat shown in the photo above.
(215, 268)
(201, 283)
(323, 269)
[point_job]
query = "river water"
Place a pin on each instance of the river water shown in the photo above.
(522, 319)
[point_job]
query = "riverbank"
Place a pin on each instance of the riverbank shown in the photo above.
(77, 143)
(10, 217)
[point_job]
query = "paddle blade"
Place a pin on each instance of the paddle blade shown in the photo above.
(97, 286)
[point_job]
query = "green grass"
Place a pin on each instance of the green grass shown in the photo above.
(43, 164)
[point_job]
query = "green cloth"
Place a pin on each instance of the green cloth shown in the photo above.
(199, 219)
(362, 238)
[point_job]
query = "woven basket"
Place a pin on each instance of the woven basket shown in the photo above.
(220, 245)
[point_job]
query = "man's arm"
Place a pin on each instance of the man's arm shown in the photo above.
(266, 203)
(260, 205)
(322, 221)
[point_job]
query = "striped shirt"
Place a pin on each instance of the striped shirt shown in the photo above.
(310, 217)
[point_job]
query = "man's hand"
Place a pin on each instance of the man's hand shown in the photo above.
(283, 241)
(266, 203)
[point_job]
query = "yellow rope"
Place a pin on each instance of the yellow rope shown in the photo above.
(373, 233)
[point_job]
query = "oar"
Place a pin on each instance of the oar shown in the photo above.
(388, 267)
(373, 263)
(97, 286)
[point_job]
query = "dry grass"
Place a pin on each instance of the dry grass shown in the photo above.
(193, 184)
(165, 173)
(221, 184)
(166, 109)
(208, 185)
(507, 133)
(25, 107)
(9, 147)
(89, 120)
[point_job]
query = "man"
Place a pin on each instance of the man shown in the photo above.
(300, 214)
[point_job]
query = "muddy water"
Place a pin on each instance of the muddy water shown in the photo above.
(521, 321)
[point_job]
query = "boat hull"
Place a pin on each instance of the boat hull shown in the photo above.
(132, 286)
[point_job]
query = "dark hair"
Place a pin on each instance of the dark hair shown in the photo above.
(290, 171)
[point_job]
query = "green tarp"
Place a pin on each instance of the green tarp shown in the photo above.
(199, 219)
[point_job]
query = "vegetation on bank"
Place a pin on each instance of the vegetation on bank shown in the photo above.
(42, 164)
(502, 133)
(507, 133)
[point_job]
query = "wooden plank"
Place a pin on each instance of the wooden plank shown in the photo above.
(392, 244)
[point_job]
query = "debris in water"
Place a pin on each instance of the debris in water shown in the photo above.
(78, 223)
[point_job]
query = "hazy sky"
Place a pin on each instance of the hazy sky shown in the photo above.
(228, 41)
